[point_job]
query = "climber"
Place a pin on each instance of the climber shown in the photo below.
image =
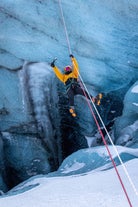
(70, 80)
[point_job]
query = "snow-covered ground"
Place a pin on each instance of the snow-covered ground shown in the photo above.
(97, 189)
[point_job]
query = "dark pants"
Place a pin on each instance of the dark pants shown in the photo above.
(75, 89)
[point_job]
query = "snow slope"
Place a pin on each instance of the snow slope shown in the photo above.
(99, 189)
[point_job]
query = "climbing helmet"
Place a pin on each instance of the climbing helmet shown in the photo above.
(68, 68)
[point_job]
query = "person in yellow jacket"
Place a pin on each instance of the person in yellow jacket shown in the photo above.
(70, 80)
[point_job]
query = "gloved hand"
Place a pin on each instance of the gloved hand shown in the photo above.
(52, 64)
(71, 56)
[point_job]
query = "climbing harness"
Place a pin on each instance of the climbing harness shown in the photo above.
(71, 82)
(98, 126)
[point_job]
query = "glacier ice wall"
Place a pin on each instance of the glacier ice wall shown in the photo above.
(126, 127)
(103, 37)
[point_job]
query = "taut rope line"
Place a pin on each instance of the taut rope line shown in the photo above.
(65, 28)
(84, 87)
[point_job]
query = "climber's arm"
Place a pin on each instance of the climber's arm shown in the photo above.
(58, 73)
(75, 65)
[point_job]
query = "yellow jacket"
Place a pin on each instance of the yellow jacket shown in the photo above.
(64, 77)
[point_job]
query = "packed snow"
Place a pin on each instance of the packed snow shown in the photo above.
(98, 189)
(135, 89)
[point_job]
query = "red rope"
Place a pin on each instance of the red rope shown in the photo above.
(105, 143)
(68, 43)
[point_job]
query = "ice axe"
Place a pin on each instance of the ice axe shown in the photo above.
(53, 62)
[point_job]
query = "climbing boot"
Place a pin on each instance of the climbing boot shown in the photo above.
(72, 111)
(97, 99)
